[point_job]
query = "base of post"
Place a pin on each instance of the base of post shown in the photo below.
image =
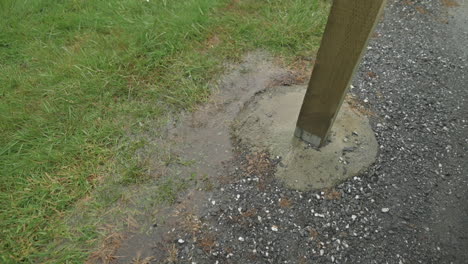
(313, 140)
(265, 123)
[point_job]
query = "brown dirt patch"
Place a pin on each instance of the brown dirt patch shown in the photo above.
(372, 74)
(302, 69)
(207, 243)
(332, 194)
(358, 106)
(258, 163)
(421, 9)
(450, 3)
(213, 41)
(313, 233)
(285, 203)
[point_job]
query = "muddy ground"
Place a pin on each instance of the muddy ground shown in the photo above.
(410, 206)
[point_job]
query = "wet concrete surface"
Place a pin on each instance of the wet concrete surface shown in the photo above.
(267, 122)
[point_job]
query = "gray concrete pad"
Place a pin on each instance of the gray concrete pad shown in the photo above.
(268, 121)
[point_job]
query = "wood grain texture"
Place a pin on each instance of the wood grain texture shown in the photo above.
(349, 26)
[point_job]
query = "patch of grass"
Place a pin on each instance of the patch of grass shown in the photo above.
(286, 28)
(77, 77)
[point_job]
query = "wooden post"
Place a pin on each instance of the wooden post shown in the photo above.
(345, 38)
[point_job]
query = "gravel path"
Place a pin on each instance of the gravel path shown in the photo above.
(411, 206)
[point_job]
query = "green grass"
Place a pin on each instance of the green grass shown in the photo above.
(78, 76)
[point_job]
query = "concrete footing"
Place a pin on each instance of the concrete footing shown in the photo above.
(268, 122)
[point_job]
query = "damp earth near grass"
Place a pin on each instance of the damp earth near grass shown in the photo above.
(82, 84)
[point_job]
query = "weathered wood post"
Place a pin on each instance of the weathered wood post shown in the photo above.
(345, 38)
